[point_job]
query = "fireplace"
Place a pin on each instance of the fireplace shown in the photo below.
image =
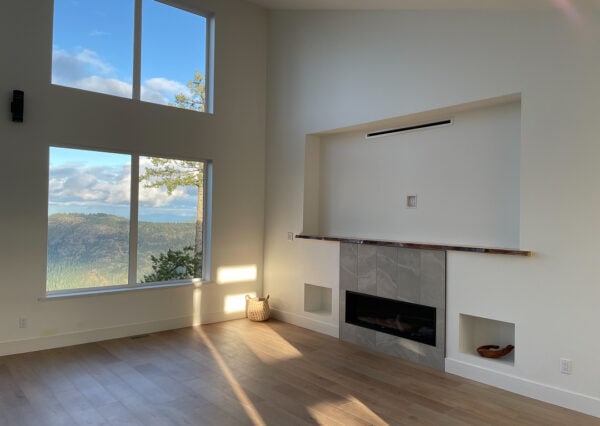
(408, 320)
(393, 300)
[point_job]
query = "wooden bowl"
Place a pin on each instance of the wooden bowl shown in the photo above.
(494, 351)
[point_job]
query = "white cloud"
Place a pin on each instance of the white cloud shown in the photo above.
(69, 67)
(153, 96)
(90, 57)
(89, 184)
(158, 197)
(87, 70)
(161, 90)
(163, 85)
(110, 86)
(85, 186)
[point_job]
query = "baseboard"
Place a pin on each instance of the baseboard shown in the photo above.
(305, 322)
(212, 317)
(551, 394)
(87, 336)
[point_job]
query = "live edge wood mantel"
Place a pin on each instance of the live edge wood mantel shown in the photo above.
(423, 246)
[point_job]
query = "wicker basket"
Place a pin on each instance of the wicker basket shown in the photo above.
(257, 308)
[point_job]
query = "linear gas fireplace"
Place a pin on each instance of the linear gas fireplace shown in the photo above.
(409, 320)
(393, 300)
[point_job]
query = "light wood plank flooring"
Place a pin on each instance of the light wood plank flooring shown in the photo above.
(242, 373)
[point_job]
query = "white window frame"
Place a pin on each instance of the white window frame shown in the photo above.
(209, 39)
(209, 49)
(133, 227)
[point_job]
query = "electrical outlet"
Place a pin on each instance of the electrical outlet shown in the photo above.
(566, 366)
(290, 236)
(22, 322)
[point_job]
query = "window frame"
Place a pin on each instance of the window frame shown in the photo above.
(132, 283)
(136, 77)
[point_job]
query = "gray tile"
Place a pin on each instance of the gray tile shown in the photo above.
(387, 266)
(347, 332)
(366, 337)
(383, 339)
(367, 268)
(348, 266)
(342, 311)
(409, 275)
(440, 329)
(433, 278)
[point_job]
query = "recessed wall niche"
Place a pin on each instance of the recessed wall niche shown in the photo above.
(477, 331)
(317, 299)
(466, 175)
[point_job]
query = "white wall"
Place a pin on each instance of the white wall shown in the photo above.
(58, 115)
(465, 176)
(334, 69)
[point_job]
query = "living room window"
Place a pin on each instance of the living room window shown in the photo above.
(149, 50)
(124, 220)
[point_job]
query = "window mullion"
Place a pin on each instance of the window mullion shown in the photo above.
(137, 50)
(209, 71)
(133, 219)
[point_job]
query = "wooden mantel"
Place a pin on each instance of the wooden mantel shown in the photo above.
(423, 246)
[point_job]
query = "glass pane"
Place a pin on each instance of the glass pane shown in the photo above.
(93, 45)
(173, 56)
(88, 219)
(170, 219)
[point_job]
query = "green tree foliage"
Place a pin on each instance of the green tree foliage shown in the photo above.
(92, 250)
(172, 174)
(196, 100)
(175, 265)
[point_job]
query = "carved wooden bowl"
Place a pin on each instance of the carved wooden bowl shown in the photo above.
(494, 351)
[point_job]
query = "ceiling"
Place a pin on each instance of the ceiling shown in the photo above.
(424, 4)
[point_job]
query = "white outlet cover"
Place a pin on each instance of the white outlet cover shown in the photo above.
(566, 366)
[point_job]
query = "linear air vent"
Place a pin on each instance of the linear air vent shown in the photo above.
(406, 129)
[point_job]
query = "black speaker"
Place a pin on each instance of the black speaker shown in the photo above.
(17, 105)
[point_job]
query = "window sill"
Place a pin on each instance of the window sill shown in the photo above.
(102, 291)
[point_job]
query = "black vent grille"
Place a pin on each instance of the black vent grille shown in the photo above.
(408, 128)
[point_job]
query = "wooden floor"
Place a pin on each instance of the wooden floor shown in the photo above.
(241, 372)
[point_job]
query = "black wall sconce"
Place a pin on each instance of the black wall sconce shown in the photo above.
(17, 105)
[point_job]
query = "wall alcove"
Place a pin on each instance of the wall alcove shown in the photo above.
(464, 177)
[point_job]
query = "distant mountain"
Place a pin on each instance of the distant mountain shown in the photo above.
(89, 250)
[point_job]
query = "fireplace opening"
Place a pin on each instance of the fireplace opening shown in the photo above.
(403, 319)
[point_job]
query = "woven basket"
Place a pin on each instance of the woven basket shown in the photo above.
(257, 308)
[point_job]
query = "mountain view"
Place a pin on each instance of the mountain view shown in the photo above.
(91, 250)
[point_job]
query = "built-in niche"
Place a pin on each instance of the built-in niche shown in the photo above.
(465, 174)
(476, 331)
(317, 299)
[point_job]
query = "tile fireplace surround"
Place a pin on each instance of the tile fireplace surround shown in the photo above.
(405, 274)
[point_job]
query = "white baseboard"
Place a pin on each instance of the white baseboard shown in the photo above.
(551, 394)
(79, 337)
(305, 322)
(212, 317)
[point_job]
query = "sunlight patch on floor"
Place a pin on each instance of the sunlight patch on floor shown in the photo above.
(240, 394)
(323, 412)
(284, 350)
(359, 409)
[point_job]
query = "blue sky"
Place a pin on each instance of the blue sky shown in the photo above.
(93, 47)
